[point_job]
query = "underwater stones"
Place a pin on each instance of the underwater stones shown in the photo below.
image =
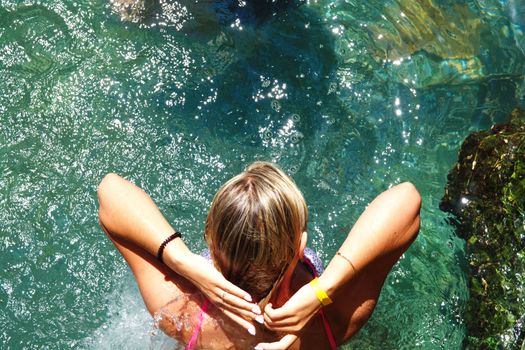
(129, 10)
(486, 194)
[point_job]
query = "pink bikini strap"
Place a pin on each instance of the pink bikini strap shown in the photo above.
(193, 341)
(331, 339)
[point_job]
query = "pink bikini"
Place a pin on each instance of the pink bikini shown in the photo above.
(204, 306)
(193, 341)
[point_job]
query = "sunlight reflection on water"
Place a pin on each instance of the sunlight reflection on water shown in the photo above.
(349, 97)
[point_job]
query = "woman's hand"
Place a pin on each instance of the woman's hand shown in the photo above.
(295, 313)
(234, 302)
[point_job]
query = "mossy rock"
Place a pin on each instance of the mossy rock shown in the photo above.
(486, 194)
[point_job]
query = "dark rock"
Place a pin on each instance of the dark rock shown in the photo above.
(486, 194)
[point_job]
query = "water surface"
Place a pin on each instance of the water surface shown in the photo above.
(349, 97)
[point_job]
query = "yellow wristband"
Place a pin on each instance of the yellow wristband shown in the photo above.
(320, 293)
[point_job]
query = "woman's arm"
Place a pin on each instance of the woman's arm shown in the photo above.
(380, 236)
(129, 215)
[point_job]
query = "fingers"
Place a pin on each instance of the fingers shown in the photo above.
(241, 321)
(294, 314)
(275, 314)
(282, 320)
(288, 328)
(228, 293)
(227, 297)
(236, 291)
(282, 344)
(238, 302)
(249, 315)
(237, 305)
(278, 317)
(239, 310)
(222, 292)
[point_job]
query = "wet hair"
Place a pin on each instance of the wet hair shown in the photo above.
(254, 228)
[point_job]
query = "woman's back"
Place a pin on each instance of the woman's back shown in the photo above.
(180, 319)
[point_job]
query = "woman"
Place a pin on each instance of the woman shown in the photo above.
(256, 232)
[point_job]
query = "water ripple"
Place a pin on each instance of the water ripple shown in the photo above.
(349, 97)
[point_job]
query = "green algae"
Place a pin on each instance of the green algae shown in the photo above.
(486, 193)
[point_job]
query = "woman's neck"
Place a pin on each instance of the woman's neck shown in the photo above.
(293, 279)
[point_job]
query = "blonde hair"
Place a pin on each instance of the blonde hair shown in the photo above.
(254, 228)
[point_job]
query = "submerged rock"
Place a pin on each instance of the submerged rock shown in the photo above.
(486, 194)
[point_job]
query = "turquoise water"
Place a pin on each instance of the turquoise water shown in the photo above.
(349, 97)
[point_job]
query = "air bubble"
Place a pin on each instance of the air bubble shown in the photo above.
(276, 154)
(296, 138)
(265, 83)
(276, 106)
(332, 87)
(296, 118)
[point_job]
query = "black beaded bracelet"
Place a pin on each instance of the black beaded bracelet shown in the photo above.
(163, 245)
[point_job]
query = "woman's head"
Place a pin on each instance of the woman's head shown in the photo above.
(254, 227)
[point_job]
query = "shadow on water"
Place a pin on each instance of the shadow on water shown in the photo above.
(150, 13)
(268, 80)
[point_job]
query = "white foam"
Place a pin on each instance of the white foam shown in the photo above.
(129, 326)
